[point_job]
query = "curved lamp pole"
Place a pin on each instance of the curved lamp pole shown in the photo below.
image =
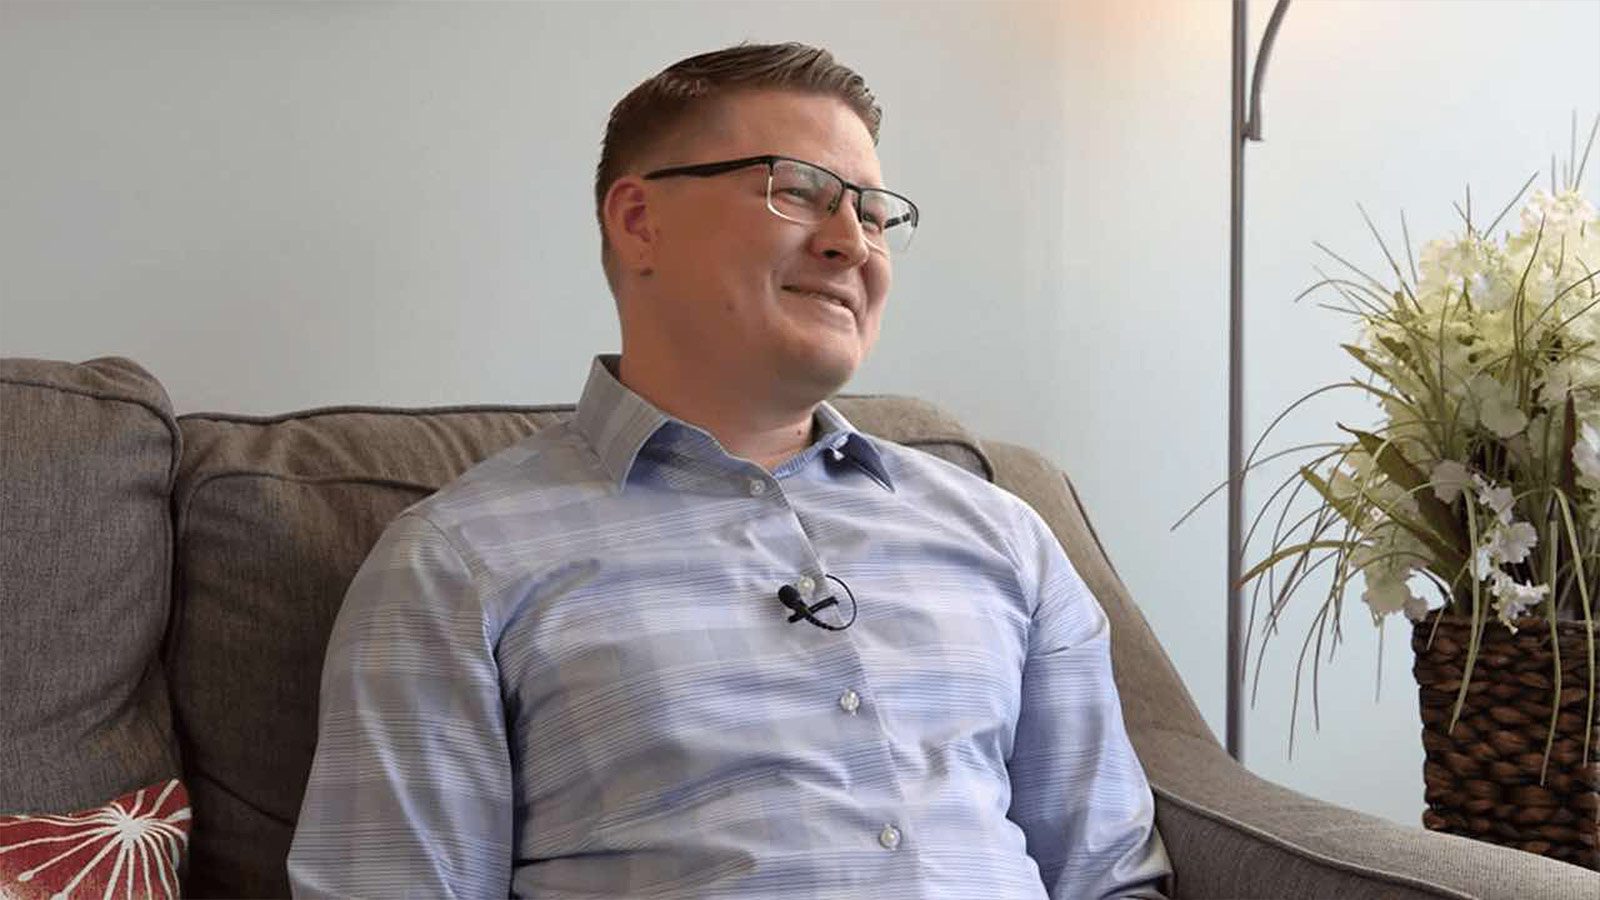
(1246, 127)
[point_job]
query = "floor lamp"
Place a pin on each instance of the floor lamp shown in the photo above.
(1245, 128)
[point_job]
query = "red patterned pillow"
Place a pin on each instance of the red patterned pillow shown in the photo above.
(128, 848)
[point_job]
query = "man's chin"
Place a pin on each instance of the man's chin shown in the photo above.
(821, 375)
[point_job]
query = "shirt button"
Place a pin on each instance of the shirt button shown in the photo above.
(850, 701)
(889, 837)
(757, 487)
(805, 586)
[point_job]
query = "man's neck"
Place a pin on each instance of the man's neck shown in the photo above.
(766, 436)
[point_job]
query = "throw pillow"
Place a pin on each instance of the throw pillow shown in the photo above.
(131, 847)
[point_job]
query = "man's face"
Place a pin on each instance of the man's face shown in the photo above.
(746, 294)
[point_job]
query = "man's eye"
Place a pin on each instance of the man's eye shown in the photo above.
(798, 193)
(870, 223)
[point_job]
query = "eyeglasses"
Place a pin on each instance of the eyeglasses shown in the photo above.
(809, 194)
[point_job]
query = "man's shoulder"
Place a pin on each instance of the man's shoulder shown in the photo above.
(546, 471)
(943, 488)
(925, 470)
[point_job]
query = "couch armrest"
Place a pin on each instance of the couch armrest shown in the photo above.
(1231, 833)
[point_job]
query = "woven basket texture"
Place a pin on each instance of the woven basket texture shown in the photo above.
(1489, 777)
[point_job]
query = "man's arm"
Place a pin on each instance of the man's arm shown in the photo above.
(410, 792)
(1077, 789)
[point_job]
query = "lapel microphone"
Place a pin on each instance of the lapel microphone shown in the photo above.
(789, 597)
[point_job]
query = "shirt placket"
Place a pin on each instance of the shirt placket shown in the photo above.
(847, 689)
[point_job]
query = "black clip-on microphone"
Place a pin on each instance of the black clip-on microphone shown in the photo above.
(790, 597)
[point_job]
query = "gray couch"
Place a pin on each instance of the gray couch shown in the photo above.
(167, 585)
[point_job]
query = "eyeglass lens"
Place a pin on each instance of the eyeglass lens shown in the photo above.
(804, 193)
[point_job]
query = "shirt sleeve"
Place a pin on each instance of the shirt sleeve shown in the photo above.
(410, 791)
(1078, 791)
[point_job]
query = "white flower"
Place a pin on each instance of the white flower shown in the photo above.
(1557, 384)
(1513, 543)
(1505, 545)
(1486, 292)
(1454, 260)
(1498, 499)
(1416, 609)
(1562, 213)
(1497, 406)
(1386, 575)
(1512, 600)
(1386, 594)
(1449, 479)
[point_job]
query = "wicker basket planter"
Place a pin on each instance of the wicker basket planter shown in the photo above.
(1483, 779)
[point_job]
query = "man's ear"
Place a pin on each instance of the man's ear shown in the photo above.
(630, 224)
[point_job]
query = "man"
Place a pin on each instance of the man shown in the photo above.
(602, 663)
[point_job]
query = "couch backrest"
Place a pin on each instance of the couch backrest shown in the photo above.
(87, 458)
(273, 517)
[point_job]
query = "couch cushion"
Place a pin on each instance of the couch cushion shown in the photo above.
(274, 516)
(87, 457)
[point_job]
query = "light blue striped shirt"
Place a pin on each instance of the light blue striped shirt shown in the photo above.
(567, 674)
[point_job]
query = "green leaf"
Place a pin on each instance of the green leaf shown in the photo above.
(1589, 632)
(1285, 553)
(1389, 460)
(1447, 556)
(1350, 513)
(1479, 616)
(1366, 360)
(1403, 353)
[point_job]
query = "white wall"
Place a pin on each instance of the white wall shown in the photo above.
(274, 206)
(281, 206)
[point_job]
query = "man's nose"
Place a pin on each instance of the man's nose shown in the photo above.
(840, 235)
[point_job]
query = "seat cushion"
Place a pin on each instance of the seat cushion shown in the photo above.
(87, 457)
(274, 516)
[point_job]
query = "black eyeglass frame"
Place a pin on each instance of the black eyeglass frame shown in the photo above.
(706, 170)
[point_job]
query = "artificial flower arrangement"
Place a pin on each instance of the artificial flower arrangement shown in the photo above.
(1482, 480)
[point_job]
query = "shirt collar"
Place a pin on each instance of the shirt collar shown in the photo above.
(617, 423)
(841, 440)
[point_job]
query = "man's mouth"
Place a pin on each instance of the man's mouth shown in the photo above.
(823, 296)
